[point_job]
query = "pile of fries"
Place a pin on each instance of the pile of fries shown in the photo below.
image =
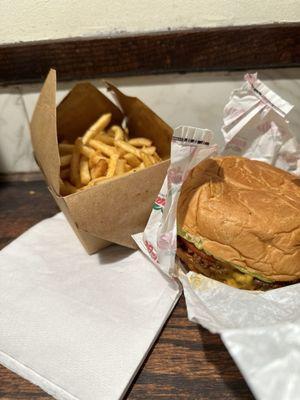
(102, 153)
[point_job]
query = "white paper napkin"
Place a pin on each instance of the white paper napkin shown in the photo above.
(78, 326)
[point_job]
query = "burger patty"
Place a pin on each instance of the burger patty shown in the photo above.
(198, 261)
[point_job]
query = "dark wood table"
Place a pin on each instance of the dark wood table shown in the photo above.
(186, 362)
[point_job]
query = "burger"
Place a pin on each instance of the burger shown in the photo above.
(239, 223)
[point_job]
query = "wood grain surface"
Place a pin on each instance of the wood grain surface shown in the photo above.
(225, 48)
(186, 362)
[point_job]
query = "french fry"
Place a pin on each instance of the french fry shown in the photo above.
(105, 138)
(95, 181)
(65, 160)
(121, 152)
(102, 179)
(149, 150)
(87, 151)
(156, 157)
(99, 169)
(84, 171)
(141, 166)
(152, 159)
(128, 147)
(74, 165)
(112, 164)
(140, 142)
(132, 160)
(69, 188)
(118, 132)
(98, 126)
(111, 134)
(95, 159)
(127, 167)
(65, 148)
(65, 173)
(146, 159)
(103, 154)
(120, 168)
(104, 148)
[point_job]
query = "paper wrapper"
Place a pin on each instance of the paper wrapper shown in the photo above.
(260, 329)
(113, 210)
(255, 126)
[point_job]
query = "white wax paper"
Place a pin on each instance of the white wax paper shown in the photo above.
(255, 126)
(269, 359)
(78, 326)
(260, 329)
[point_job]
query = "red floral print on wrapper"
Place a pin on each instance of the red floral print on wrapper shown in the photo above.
(159, 204)
(160, 201)
(151, 250)
(167, 241)
(175, 175)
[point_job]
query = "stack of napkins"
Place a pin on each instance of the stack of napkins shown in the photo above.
(78, 326)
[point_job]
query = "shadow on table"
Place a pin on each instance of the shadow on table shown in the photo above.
(226, 369)
(296, 181)
(113, 254)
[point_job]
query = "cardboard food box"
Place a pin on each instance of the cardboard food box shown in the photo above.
(111, 211)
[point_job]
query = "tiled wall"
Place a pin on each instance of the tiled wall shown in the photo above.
(193, 99)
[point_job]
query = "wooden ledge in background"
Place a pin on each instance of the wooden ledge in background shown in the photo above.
(21, 177)
(225, 48)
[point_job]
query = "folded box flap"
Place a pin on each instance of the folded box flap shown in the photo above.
(43, 132)
(81, 108)
(142, 121)
(116, 209)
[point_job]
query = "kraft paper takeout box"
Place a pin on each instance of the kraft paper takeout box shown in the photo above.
(114, 210)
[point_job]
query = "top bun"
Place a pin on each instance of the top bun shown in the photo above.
(244, 212)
